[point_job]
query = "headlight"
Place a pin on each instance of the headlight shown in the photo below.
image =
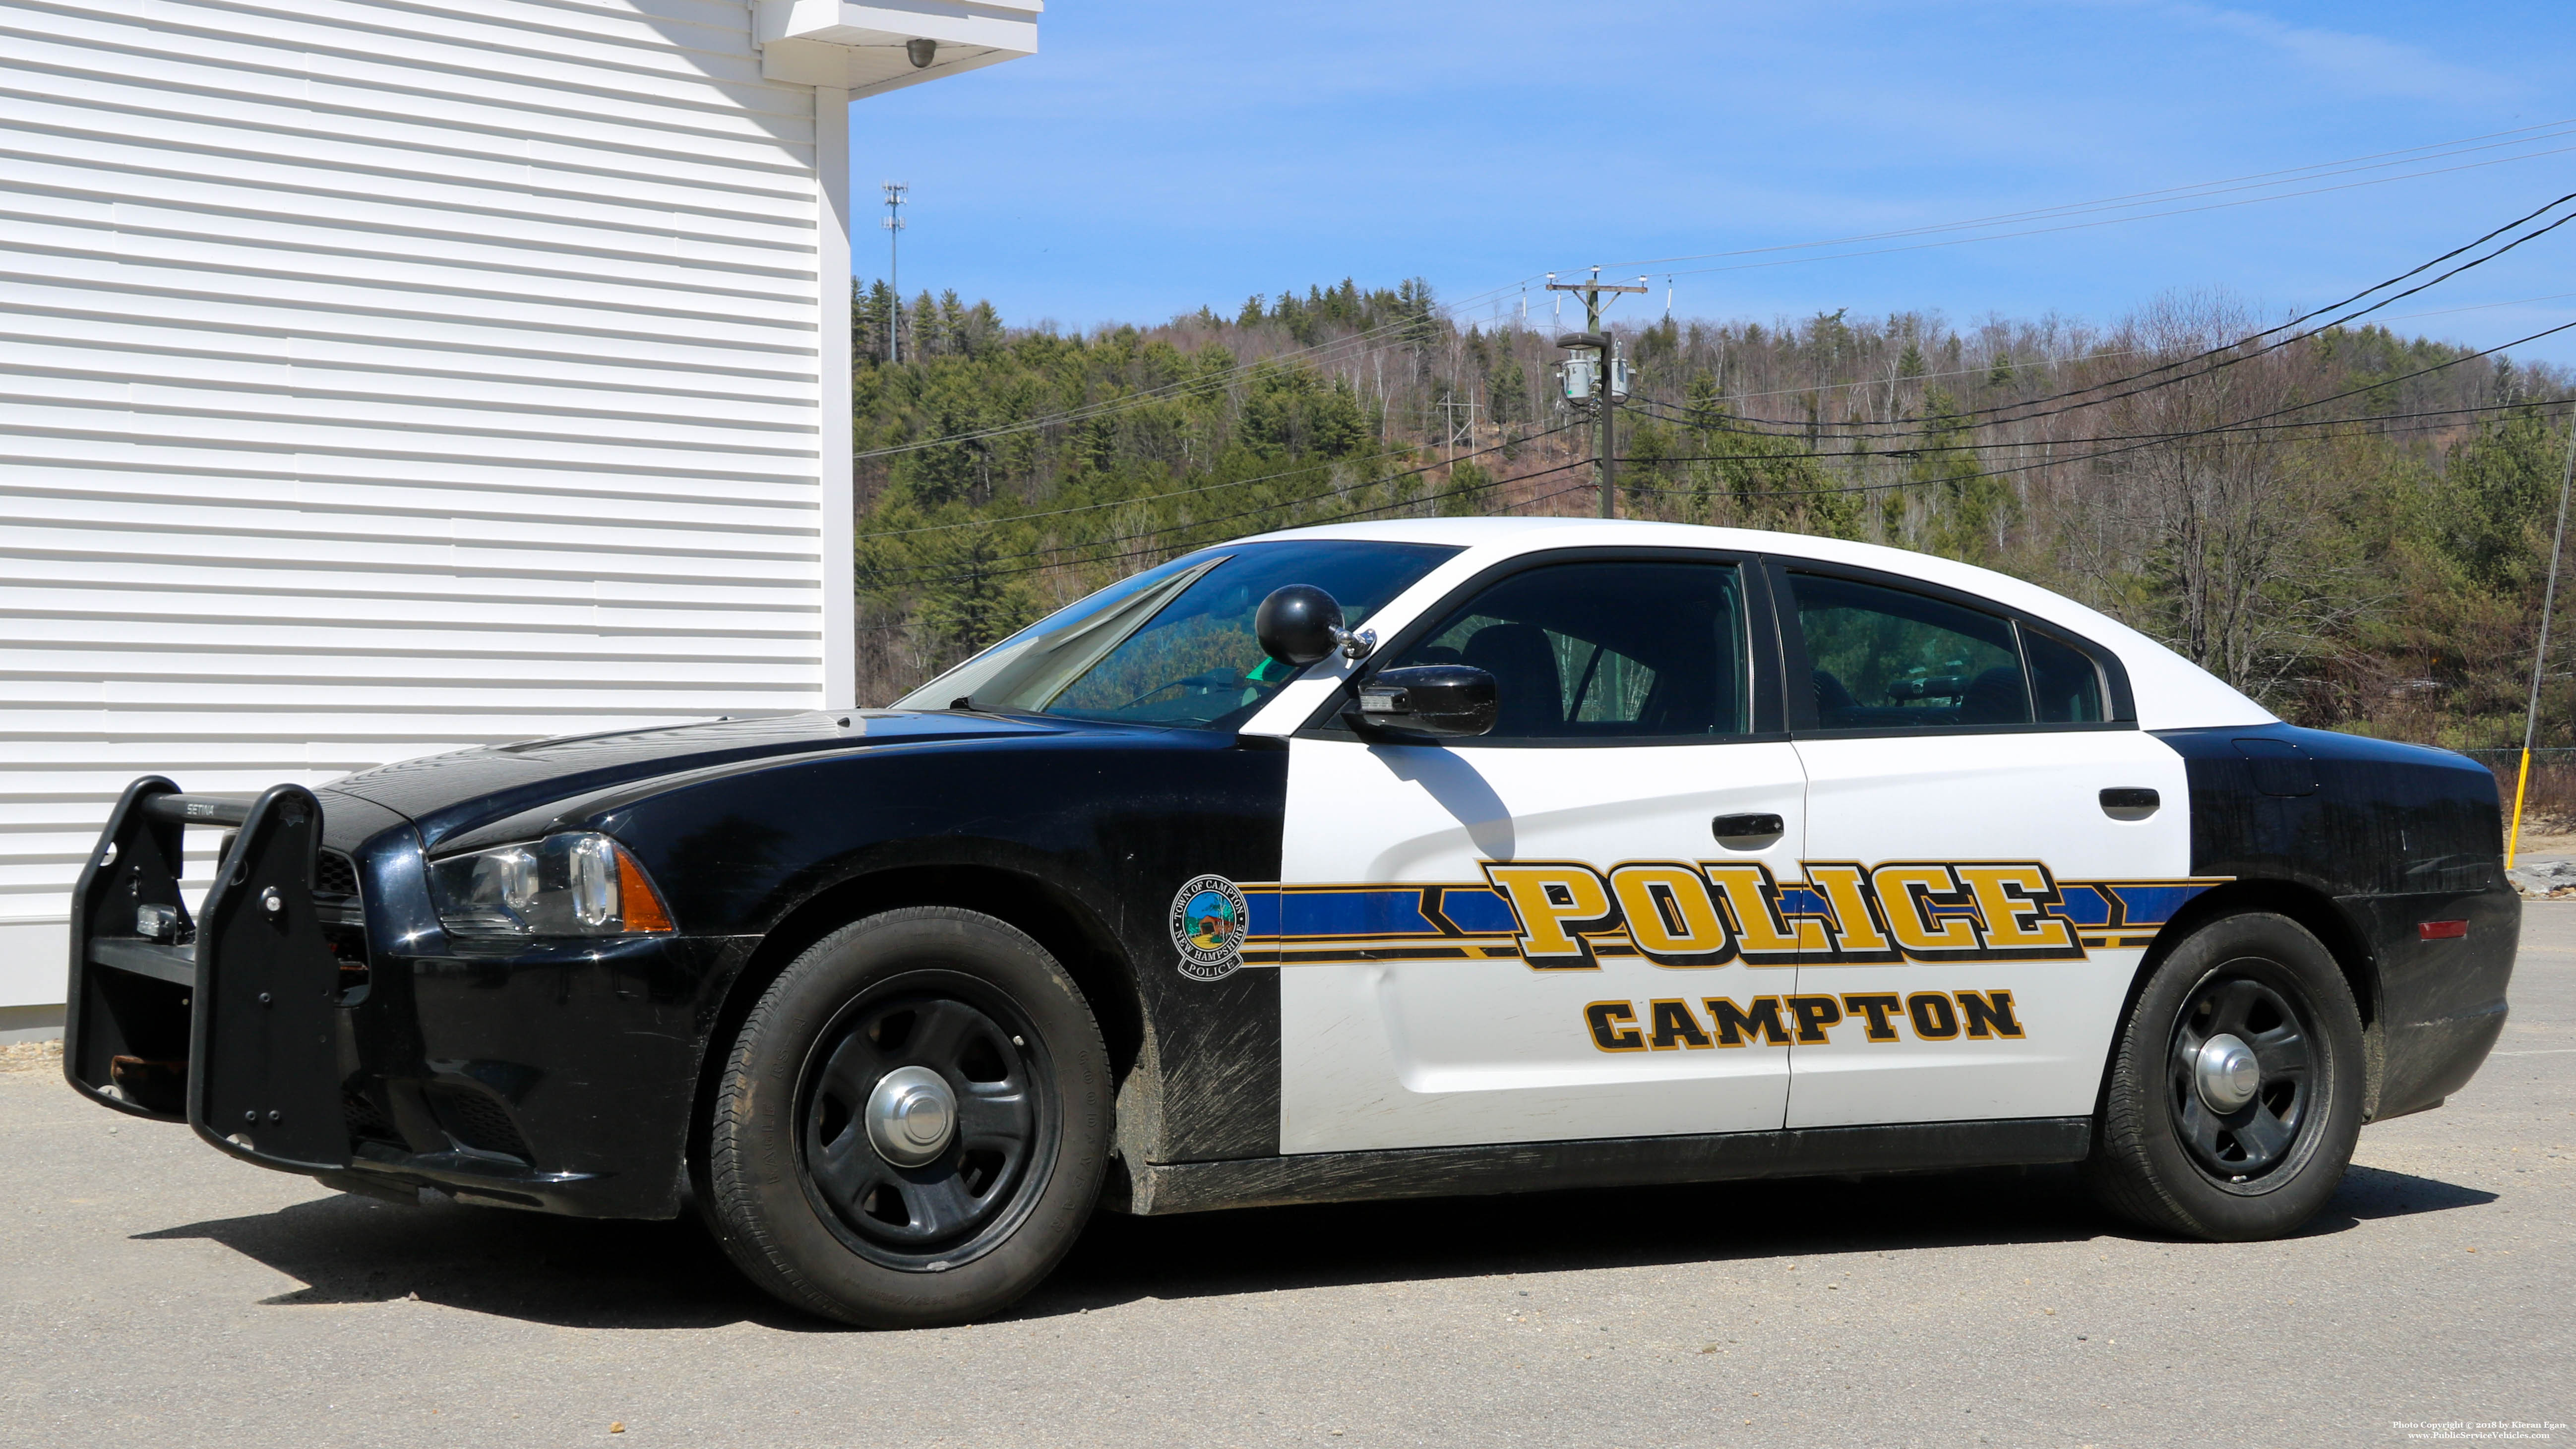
(564, 885)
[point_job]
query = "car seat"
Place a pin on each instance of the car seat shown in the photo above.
(1834, 702)
(1995, 697)
(1523, 664)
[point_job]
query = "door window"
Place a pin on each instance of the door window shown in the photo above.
(1886, 659)
(1606, 651)
(2065, 683)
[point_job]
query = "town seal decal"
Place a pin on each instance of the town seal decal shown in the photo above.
(1207, 926)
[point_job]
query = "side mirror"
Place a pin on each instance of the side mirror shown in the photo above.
(1299, 624)
(1436, 699)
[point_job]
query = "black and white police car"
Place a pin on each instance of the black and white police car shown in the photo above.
(1463, 856)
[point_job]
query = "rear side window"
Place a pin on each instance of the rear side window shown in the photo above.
(2065, 683)
(1886, 659)
(1606, 651)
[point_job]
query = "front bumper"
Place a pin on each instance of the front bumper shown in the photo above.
(348, 1039)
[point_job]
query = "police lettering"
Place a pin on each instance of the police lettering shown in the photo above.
(1671, 1024)
(1711, 913)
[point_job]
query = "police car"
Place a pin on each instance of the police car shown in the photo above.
(1383, 860)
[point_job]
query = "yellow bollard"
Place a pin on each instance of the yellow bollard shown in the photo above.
(2514, 841)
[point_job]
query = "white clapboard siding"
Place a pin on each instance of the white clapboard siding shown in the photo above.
(380, 379)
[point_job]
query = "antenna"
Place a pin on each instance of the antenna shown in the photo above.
(893, 223)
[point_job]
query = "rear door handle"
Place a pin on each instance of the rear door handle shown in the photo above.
(1748, 832)
(2129, 802)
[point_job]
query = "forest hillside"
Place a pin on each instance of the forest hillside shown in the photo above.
(2351, 524)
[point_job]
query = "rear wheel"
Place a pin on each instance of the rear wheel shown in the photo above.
(2234, 1098)
(912, 1125)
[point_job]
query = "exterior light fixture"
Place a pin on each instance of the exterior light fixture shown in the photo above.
(922, 52)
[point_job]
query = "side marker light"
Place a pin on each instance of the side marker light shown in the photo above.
(2442, 930)
(643, 908)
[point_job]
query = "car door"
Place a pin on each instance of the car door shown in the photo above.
(1516, 937)
(1980, 849)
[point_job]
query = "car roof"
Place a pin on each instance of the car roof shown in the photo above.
(2171, 692)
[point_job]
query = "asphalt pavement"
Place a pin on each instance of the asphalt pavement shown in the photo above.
(152, 1292)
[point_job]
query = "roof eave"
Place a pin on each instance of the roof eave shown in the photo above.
(861, 48)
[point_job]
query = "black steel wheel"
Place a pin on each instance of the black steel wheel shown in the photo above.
(912, 1126)
(927, 1119)
(2234, 1094)
(2240, 1077)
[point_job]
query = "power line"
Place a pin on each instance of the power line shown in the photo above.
(1895, 485)
(2053, 363)
(1921, 450)
(2166, 437)
(2254, 424)
(2228, 354)
(2134, 443)
(1755, 425)
(1457, 307)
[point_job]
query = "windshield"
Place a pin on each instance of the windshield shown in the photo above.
(1174, 645)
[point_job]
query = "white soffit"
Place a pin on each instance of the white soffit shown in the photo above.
(860, 48)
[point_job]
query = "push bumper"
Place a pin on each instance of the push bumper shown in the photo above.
(339, 1034)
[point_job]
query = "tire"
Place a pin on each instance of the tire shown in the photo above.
(2174, 1150)
(880, 1221)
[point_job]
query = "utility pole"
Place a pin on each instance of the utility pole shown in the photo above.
(1604, 389)
(2540, 655)
(893, 223)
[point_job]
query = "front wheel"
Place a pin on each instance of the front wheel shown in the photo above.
(913, 1123)
(2234, 1096)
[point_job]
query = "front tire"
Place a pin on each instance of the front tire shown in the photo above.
(912, 1126)
(2234, 1096)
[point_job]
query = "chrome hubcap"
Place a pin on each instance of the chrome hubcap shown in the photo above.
(911, 1115)
(2226, 1072)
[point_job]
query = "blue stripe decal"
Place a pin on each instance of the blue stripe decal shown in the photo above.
(1479, 910)
(1260, 912)
(2153, 905)
(2083, 905)
(1386, 911)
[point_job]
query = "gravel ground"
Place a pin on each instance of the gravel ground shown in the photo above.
(153, 1292)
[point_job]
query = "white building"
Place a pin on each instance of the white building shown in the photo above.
(378, 378)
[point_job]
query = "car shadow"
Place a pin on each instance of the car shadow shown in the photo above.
(583, 1273)
(568, 1272)
(1123, 1259)
(2373, 1194)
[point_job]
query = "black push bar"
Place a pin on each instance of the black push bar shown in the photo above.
(226, 1021)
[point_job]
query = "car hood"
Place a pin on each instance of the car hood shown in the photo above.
(444, 793)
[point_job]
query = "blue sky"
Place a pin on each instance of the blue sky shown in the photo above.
(1161, 154)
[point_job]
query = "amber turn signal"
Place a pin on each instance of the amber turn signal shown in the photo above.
(637, 900)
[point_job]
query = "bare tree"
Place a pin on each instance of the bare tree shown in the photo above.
(2233, 537)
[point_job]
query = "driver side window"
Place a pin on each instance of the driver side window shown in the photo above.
(1606, 651)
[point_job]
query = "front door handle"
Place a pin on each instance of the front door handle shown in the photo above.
(1748, 832)
(2129, 803)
